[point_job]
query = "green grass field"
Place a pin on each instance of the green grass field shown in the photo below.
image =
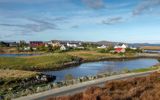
(16, 74)
(54, 61)
(41, 62)
(146, 69)
(93, 55)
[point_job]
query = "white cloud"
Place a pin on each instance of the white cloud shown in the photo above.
(146, 5)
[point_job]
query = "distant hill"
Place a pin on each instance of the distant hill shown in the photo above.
(107, 43)
(142, 44)
(130, 44)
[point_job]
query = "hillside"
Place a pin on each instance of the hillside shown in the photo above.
(144, 88)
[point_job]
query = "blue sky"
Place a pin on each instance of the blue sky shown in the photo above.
(87, 20)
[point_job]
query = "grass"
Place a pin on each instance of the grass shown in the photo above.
(51, 61)
(151, 47)
(93, 55)
(16, 74)
(13, 80)
(145, 69)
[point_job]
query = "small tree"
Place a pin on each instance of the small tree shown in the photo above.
(31, 49)
(49, 48)
(41, 48)
(55, 48)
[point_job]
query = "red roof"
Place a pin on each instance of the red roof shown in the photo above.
(36, 43)
(118, 49)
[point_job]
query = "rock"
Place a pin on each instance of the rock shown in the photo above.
(79, 80)
(1, 82)
(37, 77)
(69, 82)
(46, 78)
(1, 98)
(39, 89)
(85, 78)
(75, 81)
(27, 91)
(50, 78)
(60, 84)
(48, 87)
(55, 85)
(43, 78)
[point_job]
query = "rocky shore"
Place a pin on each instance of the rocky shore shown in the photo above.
(42, 83)
(21, 87)
(53, 85)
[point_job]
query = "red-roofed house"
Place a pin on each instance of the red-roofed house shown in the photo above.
(36, 43)
(120, 48)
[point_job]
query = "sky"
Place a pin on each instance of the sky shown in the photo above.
(129, 21)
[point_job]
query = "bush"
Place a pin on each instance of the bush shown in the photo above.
(103, 51)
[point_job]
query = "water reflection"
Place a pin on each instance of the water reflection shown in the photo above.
(93, 68)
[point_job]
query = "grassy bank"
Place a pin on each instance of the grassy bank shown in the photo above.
(151, 47)
(42, 62)
(10, 80)
(15, 74)
(145, 69)
(54, 61)
(93, 55)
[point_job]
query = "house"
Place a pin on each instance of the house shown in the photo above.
(35, 44)
(26, 48)
(54, 43)
(82, 48)
(4, 44)
(121, 48)
(133, 48)
(102, 47)
(72, 45)
(12, 44)
(63, 48)
(46, 44)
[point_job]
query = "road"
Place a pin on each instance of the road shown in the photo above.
(72, 89)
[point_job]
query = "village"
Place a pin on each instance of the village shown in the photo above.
(62, 46)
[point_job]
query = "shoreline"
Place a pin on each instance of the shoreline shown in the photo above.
(82, 61)
(44, 87)
(64, 89)
(23, 53)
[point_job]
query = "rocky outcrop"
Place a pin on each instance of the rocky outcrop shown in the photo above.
(21, 87)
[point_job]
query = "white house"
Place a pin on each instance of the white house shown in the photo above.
(71, 45)
(27, 48)
(63, 48)
(121, 46)
(102, 47)
(133, 48)
(80, 47)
